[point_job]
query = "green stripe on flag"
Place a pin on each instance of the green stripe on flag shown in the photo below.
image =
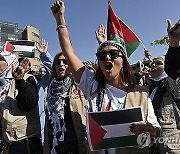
(25, 54)
(125, 141)
(131, 47)
(117, 38)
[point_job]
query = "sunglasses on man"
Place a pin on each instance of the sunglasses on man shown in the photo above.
(58, 61)
(113, 54)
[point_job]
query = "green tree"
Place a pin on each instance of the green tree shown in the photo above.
(163, 41)
(91, 65)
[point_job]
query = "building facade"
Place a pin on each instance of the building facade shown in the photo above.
(31, 33)
(9, 31)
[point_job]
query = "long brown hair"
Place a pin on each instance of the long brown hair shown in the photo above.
(53, 69)
(127, 76)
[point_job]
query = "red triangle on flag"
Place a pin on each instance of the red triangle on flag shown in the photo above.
(9, 47)
(96, 132)
(108, 106)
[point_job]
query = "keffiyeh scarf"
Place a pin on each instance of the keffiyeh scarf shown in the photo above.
(5, 79)
(4, 88)
(57, 92)
(6, 75)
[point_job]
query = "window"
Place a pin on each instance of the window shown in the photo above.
(4, 37)
(7, 29)
(11, 37)
(36, 35)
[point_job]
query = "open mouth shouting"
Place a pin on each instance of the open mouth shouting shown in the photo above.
(61, 69)
(108, 66)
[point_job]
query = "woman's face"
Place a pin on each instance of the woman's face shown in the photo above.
(157, 67)
(111, 67)
(61, 67)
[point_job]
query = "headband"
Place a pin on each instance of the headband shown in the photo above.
(116, 44)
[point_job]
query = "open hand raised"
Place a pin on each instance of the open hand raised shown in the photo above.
(42, 47)
(24, 67)
(101, 34)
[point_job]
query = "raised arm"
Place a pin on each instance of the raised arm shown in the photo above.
(26, 87)
(75, 64)
(174, 33)
(45, 57)
(148, 55)
(172, 57)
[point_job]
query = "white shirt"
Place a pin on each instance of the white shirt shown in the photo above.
(88, 84)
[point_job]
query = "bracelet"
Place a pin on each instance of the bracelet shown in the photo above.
(60, 26)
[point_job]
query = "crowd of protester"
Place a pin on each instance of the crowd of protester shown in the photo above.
(46, 112)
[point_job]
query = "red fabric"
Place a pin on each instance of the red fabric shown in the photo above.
(116, 26)
(9, 47)
(108, 106)
(96, 132)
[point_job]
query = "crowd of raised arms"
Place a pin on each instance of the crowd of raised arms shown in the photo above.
(46, 113)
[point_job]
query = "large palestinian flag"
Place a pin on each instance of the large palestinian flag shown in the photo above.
(24, 48)
(111, 129)
(119, 31)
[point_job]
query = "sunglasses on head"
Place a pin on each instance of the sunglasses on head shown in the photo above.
(58, 61)
(113, 54)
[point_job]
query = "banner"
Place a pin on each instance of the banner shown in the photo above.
(111, 129)
(24, 48)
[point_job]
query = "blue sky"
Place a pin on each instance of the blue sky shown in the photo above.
(147, 18)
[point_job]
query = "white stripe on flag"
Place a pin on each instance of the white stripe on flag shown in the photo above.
(117, 130)
(24, 48)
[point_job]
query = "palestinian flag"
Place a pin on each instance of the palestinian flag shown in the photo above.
(24, 48)
(111, 129)
(119, 31)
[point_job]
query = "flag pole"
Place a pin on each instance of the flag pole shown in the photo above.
(143, 45)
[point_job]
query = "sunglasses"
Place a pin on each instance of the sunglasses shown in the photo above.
(58, 61)
(113, 54)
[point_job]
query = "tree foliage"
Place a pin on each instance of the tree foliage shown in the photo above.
(162, 41)
(91, 65)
